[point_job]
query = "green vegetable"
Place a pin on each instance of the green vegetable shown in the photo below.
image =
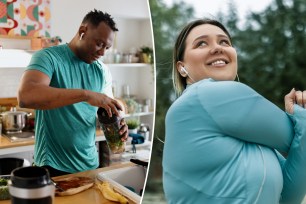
(4, 192)
(3, 182)
(114, 142)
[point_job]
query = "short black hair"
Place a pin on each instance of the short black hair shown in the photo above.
(95, 17)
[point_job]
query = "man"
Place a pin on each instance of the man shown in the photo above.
(66, 85)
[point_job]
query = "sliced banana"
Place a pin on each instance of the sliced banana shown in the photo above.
(109, 193)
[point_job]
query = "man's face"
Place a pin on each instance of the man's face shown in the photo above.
(95, 41)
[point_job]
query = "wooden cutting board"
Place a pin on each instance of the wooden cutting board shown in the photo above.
(73, 185)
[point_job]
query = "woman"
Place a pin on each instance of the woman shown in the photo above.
(222, 138)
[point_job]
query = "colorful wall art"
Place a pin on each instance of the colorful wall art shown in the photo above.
(25, 18)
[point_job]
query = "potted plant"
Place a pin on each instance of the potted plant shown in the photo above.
(133, 124)
(146, 54)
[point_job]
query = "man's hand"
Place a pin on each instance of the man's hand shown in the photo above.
(102, 100)
(123, 130)
(295, 97)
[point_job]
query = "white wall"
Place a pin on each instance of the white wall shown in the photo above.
(66, 17)
(10, 80)
(139, 79)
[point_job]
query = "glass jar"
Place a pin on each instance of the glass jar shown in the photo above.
(111, 127)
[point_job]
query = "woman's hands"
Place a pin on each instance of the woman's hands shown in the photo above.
(295, 97)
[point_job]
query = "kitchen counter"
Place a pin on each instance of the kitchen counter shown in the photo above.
(8, 147)
(90, 196)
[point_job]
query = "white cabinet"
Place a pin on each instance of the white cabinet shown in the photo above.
(140, 79)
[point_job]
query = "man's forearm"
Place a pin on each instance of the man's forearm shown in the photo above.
(46, 97)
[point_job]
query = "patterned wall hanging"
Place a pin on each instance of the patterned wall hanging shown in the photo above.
(25, 18)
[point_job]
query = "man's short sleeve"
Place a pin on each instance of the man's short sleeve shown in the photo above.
(107, 85)
(42, 61)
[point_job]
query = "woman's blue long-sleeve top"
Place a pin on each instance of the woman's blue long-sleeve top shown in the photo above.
(220, 147)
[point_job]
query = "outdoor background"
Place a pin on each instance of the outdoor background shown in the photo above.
(271, 46)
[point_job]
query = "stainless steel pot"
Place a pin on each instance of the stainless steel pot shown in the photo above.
(14, 121)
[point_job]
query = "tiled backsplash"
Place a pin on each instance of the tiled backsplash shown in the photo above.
(9, 81)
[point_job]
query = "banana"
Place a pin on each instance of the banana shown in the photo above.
(109, 193)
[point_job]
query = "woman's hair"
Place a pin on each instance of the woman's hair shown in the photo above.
(179, 82)
(95, 17)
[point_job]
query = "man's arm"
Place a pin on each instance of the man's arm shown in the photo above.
(35, 92)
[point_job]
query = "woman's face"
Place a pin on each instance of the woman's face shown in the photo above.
(209, 54)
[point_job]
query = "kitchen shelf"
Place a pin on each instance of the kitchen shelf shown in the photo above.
(6, 147)
(113, 65)
(138, 114)
(16, 37)
(140, 79)
(17, 149)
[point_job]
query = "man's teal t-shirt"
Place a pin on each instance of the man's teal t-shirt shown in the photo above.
(65, 136)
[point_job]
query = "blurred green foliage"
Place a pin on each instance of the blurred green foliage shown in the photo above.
(271, 49)
(167, 21)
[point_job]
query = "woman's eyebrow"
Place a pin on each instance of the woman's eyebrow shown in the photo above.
(206, 36)
(199, 37)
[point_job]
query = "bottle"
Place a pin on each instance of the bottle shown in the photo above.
(144, 131)
(111, 127)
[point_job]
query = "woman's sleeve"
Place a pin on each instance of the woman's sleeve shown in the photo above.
(241, 112)
(294, 167)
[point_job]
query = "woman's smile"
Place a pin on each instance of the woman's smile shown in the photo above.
(218, 62)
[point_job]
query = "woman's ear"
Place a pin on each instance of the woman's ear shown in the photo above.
(180, 68)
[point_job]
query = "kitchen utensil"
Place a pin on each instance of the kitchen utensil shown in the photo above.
(139, 162)
(31, 185)
(14, 121)
(72, 185)
(57, 186)
(137, 138)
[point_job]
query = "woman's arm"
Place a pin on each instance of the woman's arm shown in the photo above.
(294, 167)
(241, 112)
